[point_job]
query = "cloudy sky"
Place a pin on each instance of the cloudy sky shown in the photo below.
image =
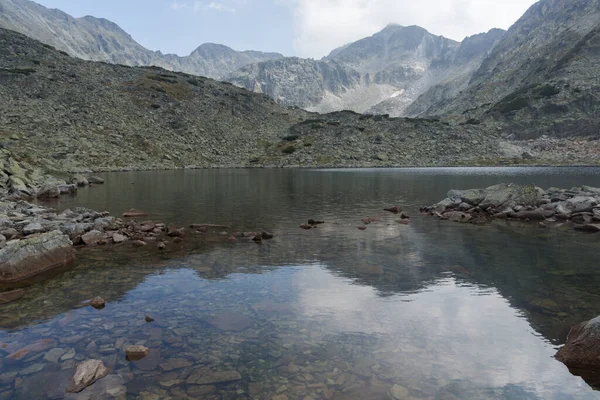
(306, 28)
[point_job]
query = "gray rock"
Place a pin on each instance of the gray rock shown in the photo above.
(95, 180)
(86, 374)
(28, 257)
(79, 180)
(472, 197)
(92, 237)
(34, 227)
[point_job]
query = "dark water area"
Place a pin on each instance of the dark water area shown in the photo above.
(433, 309)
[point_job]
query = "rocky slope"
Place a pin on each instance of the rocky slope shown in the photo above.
(74, 115)
(540, 79)
(98, 39)
(392, 67)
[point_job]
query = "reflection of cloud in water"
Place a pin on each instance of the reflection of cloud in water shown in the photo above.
(463, 331)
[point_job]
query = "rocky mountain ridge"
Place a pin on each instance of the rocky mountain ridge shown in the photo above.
(382, 74)
(540, 79)
(98, 39)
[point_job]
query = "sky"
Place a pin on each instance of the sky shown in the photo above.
(304, 28)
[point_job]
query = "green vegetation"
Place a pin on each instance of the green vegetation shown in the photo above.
(521, 98)
(288, 149)
(163, 78)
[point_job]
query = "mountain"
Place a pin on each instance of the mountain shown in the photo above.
(98, 39)
(65, 114)
(393, 66)
(542, 77)
(452, 75)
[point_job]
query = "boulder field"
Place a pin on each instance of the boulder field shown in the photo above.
(579, 206)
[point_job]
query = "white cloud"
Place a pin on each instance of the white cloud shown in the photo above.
(322, 25)
(219, 6)
(175, 5)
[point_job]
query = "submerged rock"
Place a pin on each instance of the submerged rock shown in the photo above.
(397, 392)
(32, 256)
(86, 374)
(582, 349)
(7, 297)
(133, 213)
(135, 353)
(207, 377)
(33, 348)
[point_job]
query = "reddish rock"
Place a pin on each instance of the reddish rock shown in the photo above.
(33, 348)
(177, 240)
(306, 226)
(135, 353)
(133, 213)
(119, 238)
(149, 319)
(232, 239)
(267, 235)
(139, 243)
(403, 221)
(368, 220)
(7, 297)
(173, 231)
(394, 210)
(362, 228)
(98, 302)
(582, 350)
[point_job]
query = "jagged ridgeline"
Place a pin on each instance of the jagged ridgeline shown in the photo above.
(73, 115)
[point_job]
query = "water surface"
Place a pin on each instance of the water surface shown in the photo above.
(446, 311)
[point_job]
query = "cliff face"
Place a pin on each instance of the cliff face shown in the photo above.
(541, 78)
(98, 39)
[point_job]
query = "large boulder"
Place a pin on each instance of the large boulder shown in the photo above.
(32, 256)
(471, 196)
(582, 350)
(510, 195)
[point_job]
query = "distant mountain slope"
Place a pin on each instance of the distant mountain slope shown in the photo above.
(541, 78)
(98, 39)
(394, 65)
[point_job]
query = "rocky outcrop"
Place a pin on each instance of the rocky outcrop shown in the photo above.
(28, 257)
(579, 206)
(539, 79)
(582, 350)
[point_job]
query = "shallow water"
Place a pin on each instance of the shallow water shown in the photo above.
(460, 311)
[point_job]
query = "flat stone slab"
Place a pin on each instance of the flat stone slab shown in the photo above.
(208, 377)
